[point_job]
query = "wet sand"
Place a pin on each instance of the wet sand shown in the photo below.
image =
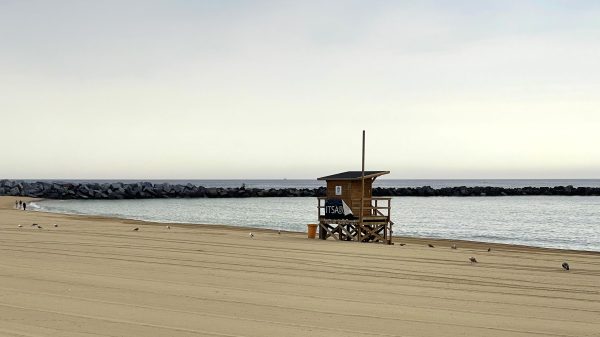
(94, 276)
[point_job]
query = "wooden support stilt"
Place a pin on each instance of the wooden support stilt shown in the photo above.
(355, 231)
(362, 188)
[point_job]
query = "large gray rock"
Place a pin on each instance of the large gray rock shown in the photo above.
(116, 186)
(212, 192)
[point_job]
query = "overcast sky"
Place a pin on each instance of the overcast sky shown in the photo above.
(283, 89)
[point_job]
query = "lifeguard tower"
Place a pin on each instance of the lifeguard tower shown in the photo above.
(349, 212)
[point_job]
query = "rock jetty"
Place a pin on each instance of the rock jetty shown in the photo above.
(147, 190)
(140, 190)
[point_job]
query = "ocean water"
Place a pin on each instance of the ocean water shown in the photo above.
(567, 222)
(313, 183)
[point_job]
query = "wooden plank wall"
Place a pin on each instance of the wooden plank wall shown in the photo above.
(351, 191)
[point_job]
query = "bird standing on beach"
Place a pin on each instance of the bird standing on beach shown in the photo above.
(40, 227)
(565, 266)
(279, 232)
(136, 229)
(453, 246)
(403, 244)
(489, 249)
(251, 236)
(168, 227)
(55, 225)
(473, 259)
(20, 226)
(430, 245)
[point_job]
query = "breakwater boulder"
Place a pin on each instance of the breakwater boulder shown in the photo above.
(147, 190)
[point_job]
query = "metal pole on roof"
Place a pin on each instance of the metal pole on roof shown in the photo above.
(362, 178)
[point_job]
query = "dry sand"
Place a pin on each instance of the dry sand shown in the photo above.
(94, 276)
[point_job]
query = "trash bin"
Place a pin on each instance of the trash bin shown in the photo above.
(312, 231)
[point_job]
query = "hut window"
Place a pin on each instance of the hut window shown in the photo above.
(338, 190)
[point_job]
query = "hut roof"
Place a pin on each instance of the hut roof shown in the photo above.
(353, 175)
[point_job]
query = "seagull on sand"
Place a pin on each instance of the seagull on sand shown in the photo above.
(403, 244)
(33, 225)
(453, 246)
(168, 227)
(136, 229)
(55, 225)
(430, 245)
(489, 249)
(20, 226)
(251, 236)
(473, 259)
(565, 266)
(40, 227)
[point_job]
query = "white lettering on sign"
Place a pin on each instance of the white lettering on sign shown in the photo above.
(334, 210)
(338, 190)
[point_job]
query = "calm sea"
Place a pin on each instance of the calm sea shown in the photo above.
(542, 221)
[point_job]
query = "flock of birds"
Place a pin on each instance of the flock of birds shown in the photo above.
(472, 259)
(36, 226)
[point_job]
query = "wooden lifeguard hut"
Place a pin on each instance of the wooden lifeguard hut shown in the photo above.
(349, 211)
(346, 214)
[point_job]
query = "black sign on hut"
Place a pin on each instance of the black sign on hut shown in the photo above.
(337, 209)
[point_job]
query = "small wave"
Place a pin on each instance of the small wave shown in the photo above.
(480, 237)
(34, 206)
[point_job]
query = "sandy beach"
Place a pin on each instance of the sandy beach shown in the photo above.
(93, 276)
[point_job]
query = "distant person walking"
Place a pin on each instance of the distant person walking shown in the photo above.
(16, 204)
(20, 203)
(24, 206)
